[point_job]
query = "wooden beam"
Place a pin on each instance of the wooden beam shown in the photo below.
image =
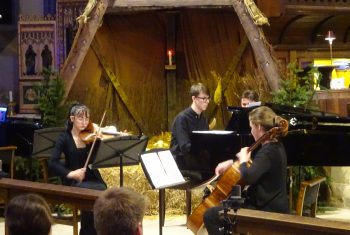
(259, 44)
(119, 6)
(311, 47)
(311, 9)
(81, 44)
(168, 3)
(261, 222)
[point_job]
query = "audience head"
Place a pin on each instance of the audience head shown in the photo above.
(28, 214)
(249, 96)
(119, 211)
(78, 114)
(200, 97)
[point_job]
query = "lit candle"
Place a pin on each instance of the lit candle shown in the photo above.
(10, 96)
(170, 57)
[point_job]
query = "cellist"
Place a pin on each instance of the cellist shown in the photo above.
(266, 175)
(73, 172)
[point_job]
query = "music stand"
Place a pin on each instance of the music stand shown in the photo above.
(44, 141)
(119, 151)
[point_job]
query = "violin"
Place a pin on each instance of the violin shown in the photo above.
(93, 130)
(90, 135)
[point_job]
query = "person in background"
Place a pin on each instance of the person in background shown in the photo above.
(266, 175)
(248, 97)
(119, 211)
(75, 152)
(190, 119)
(28, 214)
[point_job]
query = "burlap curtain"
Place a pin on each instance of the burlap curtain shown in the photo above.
(134, 45)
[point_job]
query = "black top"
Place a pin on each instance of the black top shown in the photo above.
(267, 178)
(186, 122)
(74, 159)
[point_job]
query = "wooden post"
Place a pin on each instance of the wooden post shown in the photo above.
(259, 44)
(82, 41)
(170, 66)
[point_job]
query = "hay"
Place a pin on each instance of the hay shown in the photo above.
(135, 178)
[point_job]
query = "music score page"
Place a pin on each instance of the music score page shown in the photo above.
(161, 169)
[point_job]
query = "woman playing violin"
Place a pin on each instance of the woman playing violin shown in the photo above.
(75, 152)
(266, 176)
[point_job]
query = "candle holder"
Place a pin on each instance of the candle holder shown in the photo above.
(11, 109)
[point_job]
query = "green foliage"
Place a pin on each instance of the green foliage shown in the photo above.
(51, 106)
(23, 166)
(298, 91)
(295, 90)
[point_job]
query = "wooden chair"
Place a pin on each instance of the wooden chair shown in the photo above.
(308, 195)
(72, 220)
(7, 156)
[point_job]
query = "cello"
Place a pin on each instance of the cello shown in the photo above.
(228, 179)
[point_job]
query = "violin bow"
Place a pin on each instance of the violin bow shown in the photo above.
(93, 143)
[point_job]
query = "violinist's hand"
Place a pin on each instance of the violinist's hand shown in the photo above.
(223, 166)
(243, 155)
(77, 175)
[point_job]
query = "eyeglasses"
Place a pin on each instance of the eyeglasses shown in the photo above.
(81, 119)
(204, 99)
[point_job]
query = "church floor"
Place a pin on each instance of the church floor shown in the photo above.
(175, 225)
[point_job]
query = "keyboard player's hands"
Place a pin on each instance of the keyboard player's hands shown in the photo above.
(223, 166)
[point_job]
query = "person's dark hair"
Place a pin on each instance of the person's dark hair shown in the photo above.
(251, 95)
(77, 109)
(28, 214)
(198, 88)
(118, 211)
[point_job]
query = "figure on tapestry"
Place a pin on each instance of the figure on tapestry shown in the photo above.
(30, 60)
(46, 56)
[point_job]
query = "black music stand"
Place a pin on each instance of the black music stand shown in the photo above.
(44, 141)
(119, 151)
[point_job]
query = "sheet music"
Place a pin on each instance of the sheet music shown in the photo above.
(215, 132)
(170, 166)
(162, 169)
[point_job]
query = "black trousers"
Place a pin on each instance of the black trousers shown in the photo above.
(87, 226)
(212, 221)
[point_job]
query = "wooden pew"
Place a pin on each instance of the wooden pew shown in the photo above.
(261, 222)
(80, 197)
